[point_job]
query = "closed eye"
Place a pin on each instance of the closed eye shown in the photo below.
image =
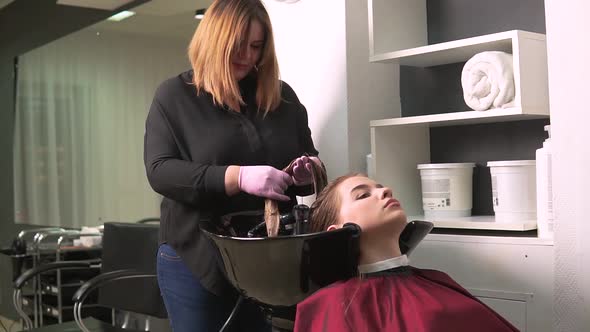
(363, 195)
(257, 45)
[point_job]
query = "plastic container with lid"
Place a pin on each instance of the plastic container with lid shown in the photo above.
(514, 190)
(447, 190)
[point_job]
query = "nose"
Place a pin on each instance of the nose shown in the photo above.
(244, 51)
(386, 192)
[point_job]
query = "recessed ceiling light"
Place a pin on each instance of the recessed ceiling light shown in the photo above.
(199, 14)
(97, 4)
(121, 16)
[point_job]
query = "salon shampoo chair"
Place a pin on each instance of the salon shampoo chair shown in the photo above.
(279, 272)
(127, 281)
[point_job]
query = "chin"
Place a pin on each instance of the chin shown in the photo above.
(398, 216)
(399, 220)
(240, 74)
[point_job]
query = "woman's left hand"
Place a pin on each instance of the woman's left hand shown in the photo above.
(302, 173)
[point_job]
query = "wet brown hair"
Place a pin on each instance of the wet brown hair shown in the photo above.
(225, 24)
(325, 210)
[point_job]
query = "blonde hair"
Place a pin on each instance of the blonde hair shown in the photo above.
(217, 38)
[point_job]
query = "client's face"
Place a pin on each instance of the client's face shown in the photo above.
(369, 205)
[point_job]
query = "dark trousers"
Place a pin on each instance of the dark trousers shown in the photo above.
(192, 308)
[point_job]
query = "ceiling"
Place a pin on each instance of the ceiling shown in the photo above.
(96, 4)
(159, 18)
(24, 27)
(4, 3)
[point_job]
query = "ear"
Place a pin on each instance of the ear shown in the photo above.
(334, 227)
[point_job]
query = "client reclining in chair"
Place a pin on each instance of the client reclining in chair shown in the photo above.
(388, 295)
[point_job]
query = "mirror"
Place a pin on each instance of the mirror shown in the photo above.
(81, 105)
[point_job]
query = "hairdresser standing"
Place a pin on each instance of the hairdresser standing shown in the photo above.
(216, 139)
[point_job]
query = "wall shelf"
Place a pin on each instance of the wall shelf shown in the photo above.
(480, 223)
(457, 50)
(461, 118)
(477, 239)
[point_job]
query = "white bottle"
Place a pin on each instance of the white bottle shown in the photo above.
(544, 190)
(370, 166)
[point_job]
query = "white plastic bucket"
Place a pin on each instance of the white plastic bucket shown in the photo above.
(514, 195)
(446, 190)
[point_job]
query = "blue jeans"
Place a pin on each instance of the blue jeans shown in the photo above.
(192, 308)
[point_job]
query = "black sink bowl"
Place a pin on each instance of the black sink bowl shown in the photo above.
(279, 272)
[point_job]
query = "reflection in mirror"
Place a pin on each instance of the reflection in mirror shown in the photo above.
(80, 113)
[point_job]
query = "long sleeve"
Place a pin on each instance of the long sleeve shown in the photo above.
(168, 174)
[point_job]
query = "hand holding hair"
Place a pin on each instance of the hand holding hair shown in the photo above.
(264, 181)
(302, 173)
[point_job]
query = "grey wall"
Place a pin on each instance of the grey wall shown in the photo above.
(25, 25)
(457, 19)
(7, 226)
(6, 130)
(431, 90)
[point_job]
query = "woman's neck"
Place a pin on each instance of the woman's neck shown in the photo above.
(378, 247)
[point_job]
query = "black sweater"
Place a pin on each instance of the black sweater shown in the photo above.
(190, 142)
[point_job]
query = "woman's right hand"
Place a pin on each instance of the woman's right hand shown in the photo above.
(264, 181)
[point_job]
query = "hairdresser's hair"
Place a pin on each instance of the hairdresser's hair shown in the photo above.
(325, 210)
(215, 41)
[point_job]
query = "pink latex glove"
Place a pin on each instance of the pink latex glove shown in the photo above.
(302, 174)
(264, 181)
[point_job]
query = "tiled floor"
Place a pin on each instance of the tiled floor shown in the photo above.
(7, 325)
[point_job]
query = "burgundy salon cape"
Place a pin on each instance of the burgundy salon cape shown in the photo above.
(399, 299)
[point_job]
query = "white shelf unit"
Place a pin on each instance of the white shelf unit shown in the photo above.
(480, 223)
(513, 275)
(399, 144)
(490, 267)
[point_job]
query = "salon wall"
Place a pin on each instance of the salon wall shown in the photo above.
(373, 88)
(322, 48)
(310, 41)
(568, 51)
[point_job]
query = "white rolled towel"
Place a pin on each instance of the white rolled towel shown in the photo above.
(488, 80)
